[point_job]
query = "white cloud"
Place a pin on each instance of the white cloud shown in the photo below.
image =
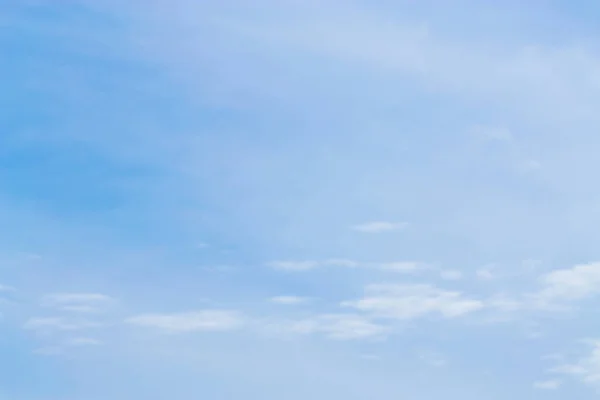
(399, 266)
(289, 300)
(587, 368)
(558, 288)
(486, 273)
(532, 79)
(576, 283)
(379, 226)
(197, 321)
(341, 262)
(413, 301)
(77, 302)
(395, 266)
(338, 327)
(50, 324)
(62, 298)
(547, 385)
(450, 275)
(80, 308)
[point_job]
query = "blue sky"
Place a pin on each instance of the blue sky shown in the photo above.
(299, 200)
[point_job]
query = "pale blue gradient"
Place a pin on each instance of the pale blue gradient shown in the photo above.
(168, 154)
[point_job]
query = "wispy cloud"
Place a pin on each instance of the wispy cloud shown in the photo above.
(335, 326)
(585, 368)
(403, 302)
(394, 266)
(534, 78)
(547, 385)
(486, 273)
(300, 130)
(78, 302)
(53, 324)
(399, 266)
(188, 322)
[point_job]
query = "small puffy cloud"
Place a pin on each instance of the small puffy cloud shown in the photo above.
(551, 384)
(187, 322)
(486, 273)
(338, 327)
(576, 283)
(586, 368)
(288, 300)
(51, 324)
(399, 266)
(379, 226)
(77, 302)
(400, 301)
